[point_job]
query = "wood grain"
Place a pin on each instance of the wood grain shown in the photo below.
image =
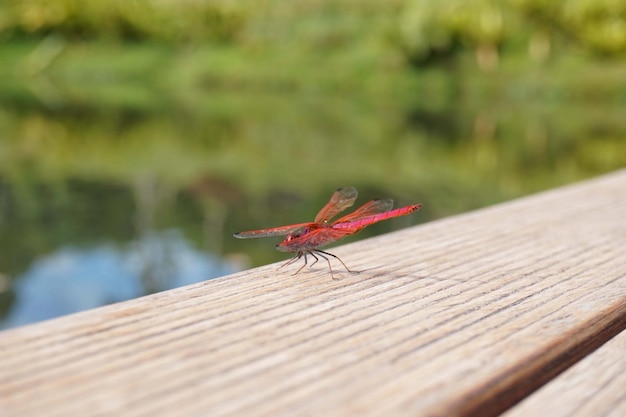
(462, 316)
(596, 386)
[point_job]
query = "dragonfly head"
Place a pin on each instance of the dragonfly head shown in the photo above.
(285, 245)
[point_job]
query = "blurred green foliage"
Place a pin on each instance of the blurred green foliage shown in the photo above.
(236, 70)
(513, 26)
(423, 27)
(176, 20)
(152, 57)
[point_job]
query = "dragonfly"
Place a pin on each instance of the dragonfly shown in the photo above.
(306, 238)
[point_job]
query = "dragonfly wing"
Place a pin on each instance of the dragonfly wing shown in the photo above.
(274, 231)
(367, 209)
(339, 201)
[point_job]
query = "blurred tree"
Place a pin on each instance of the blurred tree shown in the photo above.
(157, 20)
(491, 27)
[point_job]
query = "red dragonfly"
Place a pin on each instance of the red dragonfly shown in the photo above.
(307, 238)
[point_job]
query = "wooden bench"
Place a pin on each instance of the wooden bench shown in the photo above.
(463, 316)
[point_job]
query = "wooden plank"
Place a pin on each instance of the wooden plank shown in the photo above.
(596, 386)
(463, 316)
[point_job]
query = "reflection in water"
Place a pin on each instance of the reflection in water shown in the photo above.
(72, 280)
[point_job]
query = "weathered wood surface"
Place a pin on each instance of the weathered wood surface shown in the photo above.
(596, 386)
(463, 316)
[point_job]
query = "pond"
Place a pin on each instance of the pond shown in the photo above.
(105, 199)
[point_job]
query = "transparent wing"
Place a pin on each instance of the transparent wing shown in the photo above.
(274, 231)
(368, 209)
(339, 201)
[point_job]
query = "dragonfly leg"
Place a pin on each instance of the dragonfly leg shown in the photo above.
(313, 255)
(322, 253)
(305, 261)
(332, 275)
(292, 260)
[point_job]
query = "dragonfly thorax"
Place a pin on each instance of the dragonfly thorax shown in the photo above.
(293, 242)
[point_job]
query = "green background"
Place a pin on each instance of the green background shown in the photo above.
(119, 119)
